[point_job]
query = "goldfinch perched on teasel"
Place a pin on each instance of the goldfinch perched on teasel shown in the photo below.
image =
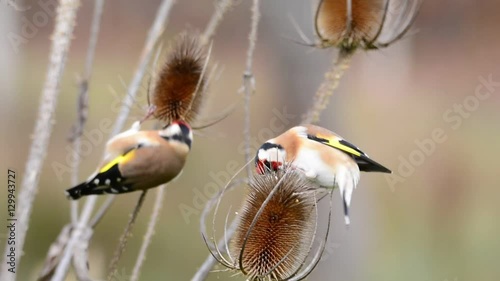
(323, 156)
(138, 160)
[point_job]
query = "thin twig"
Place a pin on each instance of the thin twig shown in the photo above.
(328, 87)
(102, 211)
(81, 256)
(83, 98)
(248, 90)
(122, 244)
(153, 36)
(221, 7)
(210, 261)
(153, 220)
(62, 36)
(249, 80)
(54, 253)
(76, 236)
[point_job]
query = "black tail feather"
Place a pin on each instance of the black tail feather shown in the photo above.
(110, 178)
(75, 193)
(83, 188)
(89, 188)
(108, 190)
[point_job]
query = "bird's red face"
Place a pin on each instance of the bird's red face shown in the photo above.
(263, 166)
(181, 122)
(269, 158)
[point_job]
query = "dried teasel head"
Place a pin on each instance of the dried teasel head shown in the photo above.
(180, 84)
(276, 242)
(275, 229)
(352, 24)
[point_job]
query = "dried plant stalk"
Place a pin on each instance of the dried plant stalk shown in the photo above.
(83, 98)
(249, 80)
(153, 220)
(61, 41)
(352, 24)
(221, 8)
(85, 216)
(327, 88)
(122, 244)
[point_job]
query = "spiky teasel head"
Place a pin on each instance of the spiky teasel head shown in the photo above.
(352, 24)
(276, 226)
(180, 84)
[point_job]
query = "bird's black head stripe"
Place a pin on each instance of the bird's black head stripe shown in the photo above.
(184, 129)
(179, 138)
(268, 145)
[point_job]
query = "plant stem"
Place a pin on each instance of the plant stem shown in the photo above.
(328, 87)
(153, 220)
(61, 41)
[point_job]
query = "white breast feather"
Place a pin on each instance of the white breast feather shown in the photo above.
(309, 161)
(344, 177)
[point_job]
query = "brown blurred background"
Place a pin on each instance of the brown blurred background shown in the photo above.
(437, 219)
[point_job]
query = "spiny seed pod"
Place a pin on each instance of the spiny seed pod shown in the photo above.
(273, 239)
(180, 85)
(349, 24)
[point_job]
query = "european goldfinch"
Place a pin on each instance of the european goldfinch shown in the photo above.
(138, 160)
(322, 155)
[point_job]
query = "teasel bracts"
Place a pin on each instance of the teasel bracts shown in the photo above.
(352, 24)
(180, 84)
(273, 240)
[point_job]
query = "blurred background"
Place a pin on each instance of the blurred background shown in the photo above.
(435, 219)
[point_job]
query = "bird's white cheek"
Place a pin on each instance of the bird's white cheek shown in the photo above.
(262, 154)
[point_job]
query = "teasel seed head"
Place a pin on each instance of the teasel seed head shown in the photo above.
(273, 239)
(353, 24)
(180, 84)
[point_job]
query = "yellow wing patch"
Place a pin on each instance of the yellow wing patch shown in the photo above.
(333, 142)
(118, 160)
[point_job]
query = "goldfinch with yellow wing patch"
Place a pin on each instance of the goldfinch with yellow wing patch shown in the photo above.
(139, 160)
(322, 155)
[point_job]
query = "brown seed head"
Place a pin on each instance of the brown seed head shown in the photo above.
(368, 19)
(280, 240)
(331, 19)
(179, 88)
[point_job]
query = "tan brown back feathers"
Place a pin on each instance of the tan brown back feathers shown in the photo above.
(179, 88)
